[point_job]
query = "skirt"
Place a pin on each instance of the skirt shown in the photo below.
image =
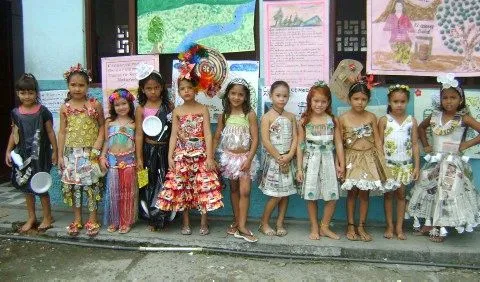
(276, 181)
(231, 163)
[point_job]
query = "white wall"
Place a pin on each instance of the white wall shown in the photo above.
(54, 37)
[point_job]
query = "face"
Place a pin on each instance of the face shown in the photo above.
(359, 101)
(152, 90)
(398, 102)
(186, 90)
(280, 96)
(237, 96)
(77, 86)
(450, 100)
(121, 106)
(27, 97)
(398, 7)
(319, 103)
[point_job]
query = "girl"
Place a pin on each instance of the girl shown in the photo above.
(445, 191)
(118, 156)
(31, 137)
(152, 153)
(399, 26)
(80, 140)
(365, 163)
(279, 137)
(191, 181)
(237, 127)
(318, 135)
(398, 134)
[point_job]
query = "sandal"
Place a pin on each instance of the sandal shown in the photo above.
(327, 233)
(74, 228)
(269, 232)
(281, 231)
(42, 229)
(204, 230)
(351, 235)
(424, 231)
(186, 230)
(124, 229)
(92, 228)
(364, 236)
(435, 236)
(232, 229)
(112, 228)
(249, 237)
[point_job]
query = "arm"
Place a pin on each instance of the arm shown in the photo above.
(53, 140)
(173, 139)
(265, 131)
(470, 122)
(382, 124)
(103, 155)
(293, 146)
(300, 148)
(340, 159)
(218, 132)
(415, 150)
(207, 133)
(101, 127)
(139, 136)
(61, 137)
(422, 134)
(376, 135)
(252, 120)
(10, 146)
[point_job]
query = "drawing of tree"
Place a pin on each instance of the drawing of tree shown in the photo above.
(278, 17)
(156, 32)
(459, 22)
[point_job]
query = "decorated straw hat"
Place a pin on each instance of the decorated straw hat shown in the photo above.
(345, 75)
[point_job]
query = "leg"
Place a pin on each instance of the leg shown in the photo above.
(267, 212)
(282, 211)
(244, 203)
(92, 225)
(351, 199)
(47, 214)
(32, 218)
(400, 195)
(235, 200)
(204, 224)
(387, 205)
(312, 215)
(364, 197)
(328, 211)
(186, 229)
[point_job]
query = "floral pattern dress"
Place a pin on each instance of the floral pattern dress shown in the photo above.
(397, 147)
(190, 185)
(320, 180)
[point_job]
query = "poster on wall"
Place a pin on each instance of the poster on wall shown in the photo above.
(423, 108)
(305, 23)
(53, 100)
(423, 37)
(172, 26)
(248, 70)
(120, 72)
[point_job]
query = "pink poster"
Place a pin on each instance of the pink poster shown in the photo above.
(120, 72)
(296, 42)
(423, 37)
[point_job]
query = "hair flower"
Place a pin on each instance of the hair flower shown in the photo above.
(75, 69)
(447, 80)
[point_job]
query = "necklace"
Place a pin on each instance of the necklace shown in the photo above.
(439, 129)
(279, 113)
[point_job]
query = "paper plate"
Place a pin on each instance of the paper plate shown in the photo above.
(41, 182)
(214, 65)
(152, 126)
(345, 75)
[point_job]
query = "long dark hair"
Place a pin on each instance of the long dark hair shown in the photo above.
(82, 74)
(459, 90)
(156, 76)
(359, 87)
(27, 82)
(390, 93)
(279, 83)
(111, 105)
(227, 108)
(325, 91)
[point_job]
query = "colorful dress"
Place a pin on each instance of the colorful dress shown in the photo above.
(445, 194)
(82, 171)
(32, 144)
(190, 185)
(277, 181)
(155, 158)
(319, 175)
(120, 205)
(365, 168)
(397, 147)
(399, 40)
(236, 138)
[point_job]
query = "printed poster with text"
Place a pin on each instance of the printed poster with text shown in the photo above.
(296, 42)
(423, 37)
(120, 72)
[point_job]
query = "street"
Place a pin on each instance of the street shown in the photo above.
(24, 260)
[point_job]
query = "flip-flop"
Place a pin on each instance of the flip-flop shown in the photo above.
(269, 232)
(44, 228)
(112, 228)
(92, 228)
(249, 237)
(351, 236)
(186, 230)
(204, 230)
(281, 231)
(232, 229)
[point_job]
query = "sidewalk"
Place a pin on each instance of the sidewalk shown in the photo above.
(457, 249)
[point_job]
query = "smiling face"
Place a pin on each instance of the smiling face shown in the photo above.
(280, 96)
(451, 100)
(398, 101)
(237, 96)
(358, 101)
(319, 103)
(121, 106)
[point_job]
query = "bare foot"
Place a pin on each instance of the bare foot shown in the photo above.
(326, 232)
(28, 225)
(400, 234)
(351, 234)
(388, 234)
(46, 224)
(314, 236)
(266, 230)
(364, 236)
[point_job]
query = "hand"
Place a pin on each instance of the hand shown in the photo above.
(340, 171)
(282, 160)
(61, 164)
(210, 164)
(171, 163)
(427, 149)
(299, 176)
(8, 159)
(462, 147)
(245, 167)
(416, 174)
(103, 164)
(98, 145)
(139, 164)
(54, 158)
